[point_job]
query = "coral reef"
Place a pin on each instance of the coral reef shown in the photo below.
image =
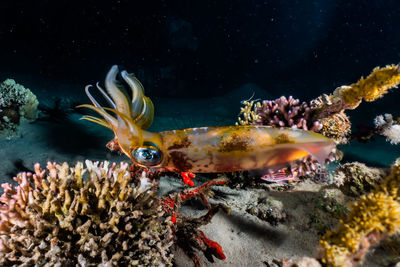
(325, 115)
(371, 218)
(355, 178)
(384, 125)
(94, 216)
(281, 112)
(16, 102)
(336, 127)
(284, 112)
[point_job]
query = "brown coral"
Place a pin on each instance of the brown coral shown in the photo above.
(335, 125)
(93, 215)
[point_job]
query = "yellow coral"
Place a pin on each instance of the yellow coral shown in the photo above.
(371, 88)
(248, 112)
(371, 217)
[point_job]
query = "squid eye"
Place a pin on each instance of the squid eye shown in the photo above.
(148, 156)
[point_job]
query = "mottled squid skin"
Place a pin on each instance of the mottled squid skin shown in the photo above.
(237, 148)
(198, 150)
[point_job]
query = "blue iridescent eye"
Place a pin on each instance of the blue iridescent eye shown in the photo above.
(148, 156)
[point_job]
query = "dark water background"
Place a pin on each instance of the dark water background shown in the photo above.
(202, 49)
(208, 46)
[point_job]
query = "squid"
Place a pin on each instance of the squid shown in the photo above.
(196, 150)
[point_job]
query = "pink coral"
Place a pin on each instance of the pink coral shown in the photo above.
(286, 112)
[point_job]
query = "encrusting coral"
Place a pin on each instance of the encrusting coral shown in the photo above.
(57, 217)
(16, 102)
(372, 217)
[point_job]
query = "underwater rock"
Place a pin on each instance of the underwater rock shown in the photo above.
(355, 179)
(74, 215)
(268, 210)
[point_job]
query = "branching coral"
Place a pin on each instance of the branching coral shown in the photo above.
(60, 217)
(372, 217)
(281, 112)
(249, 112)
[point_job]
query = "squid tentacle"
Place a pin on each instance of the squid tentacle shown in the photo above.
(107, 117)
(109, 100)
